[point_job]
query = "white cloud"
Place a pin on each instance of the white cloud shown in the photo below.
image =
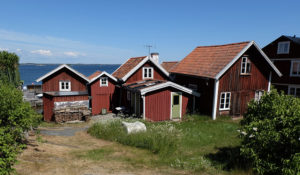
(72, 54)
(19, 50)
(4, 49)
(42, 52)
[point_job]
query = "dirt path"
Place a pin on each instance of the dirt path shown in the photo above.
(70, 150)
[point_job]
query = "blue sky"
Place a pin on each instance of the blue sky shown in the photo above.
(109, 32)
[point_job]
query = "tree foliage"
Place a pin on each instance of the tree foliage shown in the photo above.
(270, 134)
(9, 68)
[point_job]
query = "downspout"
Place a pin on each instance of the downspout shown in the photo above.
(270, 80)
(215, 101)
(144, 106)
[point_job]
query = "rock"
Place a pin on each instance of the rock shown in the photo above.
(134, 127)
(75, 121)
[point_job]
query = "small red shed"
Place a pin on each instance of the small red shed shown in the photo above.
(63, 84)
(103, 91)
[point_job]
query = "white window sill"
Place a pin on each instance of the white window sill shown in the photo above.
(227, 109)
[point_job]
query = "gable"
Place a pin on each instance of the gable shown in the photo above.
(138, 74)
(294, 49)
(127, 67)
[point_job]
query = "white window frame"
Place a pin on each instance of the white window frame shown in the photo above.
(280, 47)
(244, 66)
(147, 71)
(103, 84)
(293, 86)
(258, 94)
(225, 99)
(298, 69)
(62, 84)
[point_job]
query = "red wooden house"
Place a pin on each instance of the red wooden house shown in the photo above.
(147, 91)
(62, 84)
(227, 76)
(285, 54)
(103, 92)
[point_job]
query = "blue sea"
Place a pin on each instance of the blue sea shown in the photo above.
(30, 72)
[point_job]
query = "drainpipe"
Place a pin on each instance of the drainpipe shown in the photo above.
(270, 80)
(215, 101)
(144, 106)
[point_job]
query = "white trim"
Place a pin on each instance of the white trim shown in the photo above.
(298, 69)
(282, 43)
(106, 80)
(65, 81)
(215, 102)
(144, 106)
(270, 80)
(225, 98)
(244, 65)
(147, 58)
(169, 84)
(59, 68)
(143, 72)
(241, 53)
(180, 108)
(104, 73)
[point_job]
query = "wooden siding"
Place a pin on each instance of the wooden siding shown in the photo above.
(203, 104)
(103, 97)
(158, 104)
(70, 98)
(285, 67)
(271, 49)
(138, 75)
(243, 87)
(52, 82)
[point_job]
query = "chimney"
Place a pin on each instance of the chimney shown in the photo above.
(155, 57)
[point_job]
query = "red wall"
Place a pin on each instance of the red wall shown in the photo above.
(49, 103)
(52, 82)
(103, 97)
(158, 104)
(243, 87)
(138, 75)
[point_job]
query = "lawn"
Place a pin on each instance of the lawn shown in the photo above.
(197, 144)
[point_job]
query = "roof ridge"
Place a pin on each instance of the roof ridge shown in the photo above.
(137, 57)
(225, 44)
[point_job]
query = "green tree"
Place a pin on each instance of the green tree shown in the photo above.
(270, 134)
(9, 68)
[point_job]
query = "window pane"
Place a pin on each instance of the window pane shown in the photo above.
(150, 72)
(145, 73)
(175, 100)
(222, 106)
(223, 95)
(67, 85)
(62, 85)
(292, 91)
(228, 95)
(295, 68)
(248, 67)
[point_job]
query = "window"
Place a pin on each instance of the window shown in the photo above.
(245, 66)
(294, 91)
(103, 81)
(295, 68)
(258, 95)
(225, 101)
(175, 99)
(283, 47)
(64, 86)
(147, 72)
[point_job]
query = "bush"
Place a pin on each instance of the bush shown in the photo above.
(161, 139)
(16, 117)
(270, 134)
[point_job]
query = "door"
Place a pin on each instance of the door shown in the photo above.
(176, 105)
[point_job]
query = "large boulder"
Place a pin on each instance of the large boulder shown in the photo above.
(134, 127)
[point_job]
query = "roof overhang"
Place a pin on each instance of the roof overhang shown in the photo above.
(59, 68)
(103, 73)
(169, 84)
(218, 76)
(147, 58)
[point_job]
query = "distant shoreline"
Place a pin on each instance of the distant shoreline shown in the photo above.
(63, 63)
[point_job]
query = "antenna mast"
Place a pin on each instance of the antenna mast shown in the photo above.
(149, 48)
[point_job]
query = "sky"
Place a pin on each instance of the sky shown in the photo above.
(111, 31)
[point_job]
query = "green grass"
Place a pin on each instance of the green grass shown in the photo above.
(196, 144)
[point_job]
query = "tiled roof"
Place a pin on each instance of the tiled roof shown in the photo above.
(168, 65)
(127, 66)
(208, 61)
(95, 74)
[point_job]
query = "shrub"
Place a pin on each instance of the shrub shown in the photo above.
(16, 117)
(270, 134)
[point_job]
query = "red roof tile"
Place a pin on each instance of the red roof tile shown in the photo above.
(168, 65)
(208, 61)
(127, 66)
(95, 74)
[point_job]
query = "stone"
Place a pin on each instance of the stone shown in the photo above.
(134, 127)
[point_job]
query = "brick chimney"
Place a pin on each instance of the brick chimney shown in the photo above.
(155, 57)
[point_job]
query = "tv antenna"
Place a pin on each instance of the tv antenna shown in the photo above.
(149, 48)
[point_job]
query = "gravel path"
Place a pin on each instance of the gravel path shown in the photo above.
(70, 131)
